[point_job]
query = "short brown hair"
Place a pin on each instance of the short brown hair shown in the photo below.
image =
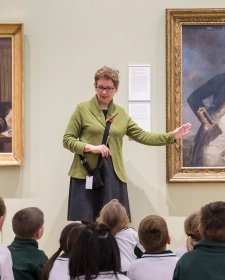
(114, 215)
(2, 207)
(109, 74)
(212, 221)
(153, 233)
(191, 225)
(27, 222)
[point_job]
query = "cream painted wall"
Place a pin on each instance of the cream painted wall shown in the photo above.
(65, 42)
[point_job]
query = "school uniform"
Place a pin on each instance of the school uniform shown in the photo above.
(107, 275)
(60, 269)
(206, 261)
(127, 240)
(158, 266)
(181, 251)
(28, 260)
(6, 272)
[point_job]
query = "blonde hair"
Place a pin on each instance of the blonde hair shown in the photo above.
(114, 215)
(109, 74)
(153, 233)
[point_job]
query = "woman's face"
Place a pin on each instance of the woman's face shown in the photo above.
(105, 91)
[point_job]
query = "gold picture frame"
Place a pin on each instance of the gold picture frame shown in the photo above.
(11, 94)
(195, 67)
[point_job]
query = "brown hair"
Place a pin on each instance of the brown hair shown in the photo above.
(2, 207)
(153, 233)
(68, 236)
(109, 74)
(191, 228)
(27, 222)
(114, 215)
(212, 221)
(191, 224)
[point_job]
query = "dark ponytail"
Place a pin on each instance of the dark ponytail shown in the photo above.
(49, 264)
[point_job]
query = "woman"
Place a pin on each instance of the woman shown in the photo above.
(95, 255)
(83, 136)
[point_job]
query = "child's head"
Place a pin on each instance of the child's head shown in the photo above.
(94, 250)
(212, 221)
(67, 238)
(2, 212)
(191, 228)
(114, 215)
(153, 234)
(68, 235)
(28, 223)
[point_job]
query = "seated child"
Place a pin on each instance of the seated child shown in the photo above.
(156, 263)
(206, 260)
(57, 267)
(28, 260)
(191, 229)
(95, 255)
(114, 215)
(6, 272)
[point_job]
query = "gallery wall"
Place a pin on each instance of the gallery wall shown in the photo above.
(65, 41)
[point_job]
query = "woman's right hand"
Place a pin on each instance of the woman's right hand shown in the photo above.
(100, 149)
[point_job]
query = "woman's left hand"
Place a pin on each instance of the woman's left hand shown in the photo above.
(179, 132)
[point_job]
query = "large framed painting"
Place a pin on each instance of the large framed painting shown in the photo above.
(195, 72)
(11, 94)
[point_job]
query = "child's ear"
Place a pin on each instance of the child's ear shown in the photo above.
(39, 233)
(1, 221)
(169, 240)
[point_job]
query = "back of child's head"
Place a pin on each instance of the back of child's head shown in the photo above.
(153, 234)
(191, 228)
(212, 221)
(27, 222)
(114, 215)
(2, 207)
(94, 250)
(66, 240)
(68, 235)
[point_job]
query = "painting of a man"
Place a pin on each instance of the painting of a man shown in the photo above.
(204, 95)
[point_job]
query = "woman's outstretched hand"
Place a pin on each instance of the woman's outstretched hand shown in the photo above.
(179, 132)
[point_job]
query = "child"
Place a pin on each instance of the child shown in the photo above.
(191, 228)
(56, 267)
(156, 263)
(95, 255)
(114, 215)
(6, 272)
(28, 260)
(206, 260)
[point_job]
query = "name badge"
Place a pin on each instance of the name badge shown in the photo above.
(89, 182)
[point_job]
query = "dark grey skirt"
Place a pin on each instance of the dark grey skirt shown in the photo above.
(85, 204)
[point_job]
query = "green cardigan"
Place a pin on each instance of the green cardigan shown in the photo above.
(87, 125)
